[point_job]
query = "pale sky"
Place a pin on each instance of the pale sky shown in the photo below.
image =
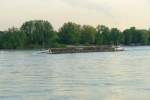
(113, 13)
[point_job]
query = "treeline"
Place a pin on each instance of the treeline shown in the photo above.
(40, 34)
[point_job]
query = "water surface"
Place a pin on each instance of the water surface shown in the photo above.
(27, 75)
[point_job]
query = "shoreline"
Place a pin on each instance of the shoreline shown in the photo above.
(72, 49)
(83, 49)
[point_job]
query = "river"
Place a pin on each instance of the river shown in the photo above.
(28, 75)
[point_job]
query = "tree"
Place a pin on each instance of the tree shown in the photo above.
(99, 37)
(136, 37)
(13, 39)
(69, 33)
(88, 34)
(103, 35)
(144, 37)
(115, 36)
(38, 32)
(148, 36)
(128, 35)
(1, 37)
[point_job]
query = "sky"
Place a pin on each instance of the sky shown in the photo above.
(112, 13)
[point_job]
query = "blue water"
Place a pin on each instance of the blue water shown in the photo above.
(28, 75)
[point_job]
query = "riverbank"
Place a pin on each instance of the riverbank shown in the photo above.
(74, 49)
(83, 49)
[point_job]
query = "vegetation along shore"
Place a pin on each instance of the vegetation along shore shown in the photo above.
(40, 34)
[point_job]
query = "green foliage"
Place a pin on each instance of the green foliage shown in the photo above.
(13, 40)
(88, 34)
(69, 33)
(144, 38)
(99, 37)
(148, 32)
(1, 37)
(133, 36)
(40, 34)
(103, 35)
(115, 36)
(127, 36)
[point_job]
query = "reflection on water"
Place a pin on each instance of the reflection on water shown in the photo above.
(26, 75)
